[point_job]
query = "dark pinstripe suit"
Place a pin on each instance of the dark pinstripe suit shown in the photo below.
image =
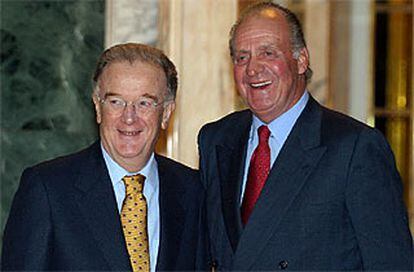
(332, 201)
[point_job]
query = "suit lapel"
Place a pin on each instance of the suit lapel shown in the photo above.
(172, 218)
(97, 204)
(231, 164)
(299, 155)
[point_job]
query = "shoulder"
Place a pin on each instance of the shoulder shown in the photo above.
(227, 122)
(338, 120)
(62, 167)
(231, 124)
(178, 175)
(173, 167)
(330, 121)
(336, 126)
(342, 132)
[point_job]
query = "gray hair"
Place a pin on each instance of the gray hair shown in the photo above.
(132, 52)
(297, 38)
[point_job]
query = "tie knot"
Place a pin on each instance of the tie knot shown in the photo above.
(264, 134)
(134, 184)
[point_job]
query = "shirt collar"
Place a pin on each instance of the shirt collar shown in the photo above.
(282, 125)
(116, 172)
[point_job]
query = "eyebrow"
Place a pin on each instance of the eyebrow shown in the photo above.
(110, 94)
(146, 95)
(261, 47)
(268, 46)
(242, 51)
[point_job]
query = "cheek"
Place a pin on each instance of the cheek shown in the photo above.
(288, 67)
(238, 73)
(108, 123)
(152, 123)
(280, 68)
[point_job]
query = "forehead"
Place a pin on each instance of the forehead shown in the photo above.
(128, 75)
(267, 27)
(118, 68)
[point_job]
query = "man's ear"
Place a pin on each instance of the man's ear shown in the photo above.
(98, 109)
(303, 60)
(166, 115)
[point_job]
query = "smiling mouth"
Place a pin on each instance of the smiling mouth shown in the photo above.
(129, 133)
(260, 85)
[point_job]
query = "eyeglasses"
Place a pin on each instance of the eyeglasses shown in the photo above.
(117, 105)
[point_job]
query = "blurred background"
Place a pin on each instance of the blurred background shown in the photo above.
(361, 53)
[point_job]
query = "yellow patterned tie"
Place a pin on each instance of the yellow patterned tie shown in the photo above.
(134, 223)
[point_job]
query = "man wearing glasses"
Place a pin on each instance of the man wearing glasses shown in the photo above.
(115, 205)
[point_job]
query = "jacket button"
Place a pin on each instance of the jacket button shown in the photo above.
(213, 265)
(283, 264)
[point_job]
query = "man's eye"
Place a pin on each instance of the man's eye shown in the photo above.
(268, 53)
(116, 102)
(240, 59)
(145, 103)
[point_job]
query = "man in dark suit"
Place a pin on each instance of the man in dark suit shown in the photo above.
(291, 184)
(70, 213)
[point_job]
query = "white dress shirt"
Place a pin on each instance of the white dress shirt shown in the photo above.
(151, 193)
(279, 131)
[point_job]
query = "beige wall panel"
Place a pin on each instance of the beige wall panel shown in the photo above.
(339, 56)
(361, 60)
(316, 28)
(195, 35)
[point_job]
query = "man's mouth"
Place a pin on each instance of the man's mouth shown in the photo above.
(129, 133)
(260, 85)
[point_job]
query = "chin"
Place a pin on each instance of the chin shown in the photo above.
(129, 152)
(260, 108)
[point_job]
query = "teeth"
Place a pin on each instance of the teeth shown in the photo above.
(261, 84)
(129, 133)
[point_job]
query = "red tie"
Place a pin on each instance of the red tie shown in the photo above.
(258, 172)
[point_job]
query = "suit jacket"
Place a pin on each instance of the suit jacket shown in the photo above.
(332, 200)
(64, 217)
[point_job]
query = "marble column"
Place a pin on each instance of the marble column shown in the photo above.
(48, 52)
(131, 21)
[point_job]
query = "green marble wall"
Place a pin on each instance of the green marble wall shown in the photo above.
(48, 52)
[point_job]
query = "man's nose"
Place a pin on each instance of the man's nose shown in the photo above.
(254, 67)
(130, 114)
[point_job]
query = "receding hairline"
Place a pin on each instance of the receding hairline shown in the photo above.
(266, 10)
(135, 52)
(270, 9)
(132, 63)
(276, 18)
(159, 68)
